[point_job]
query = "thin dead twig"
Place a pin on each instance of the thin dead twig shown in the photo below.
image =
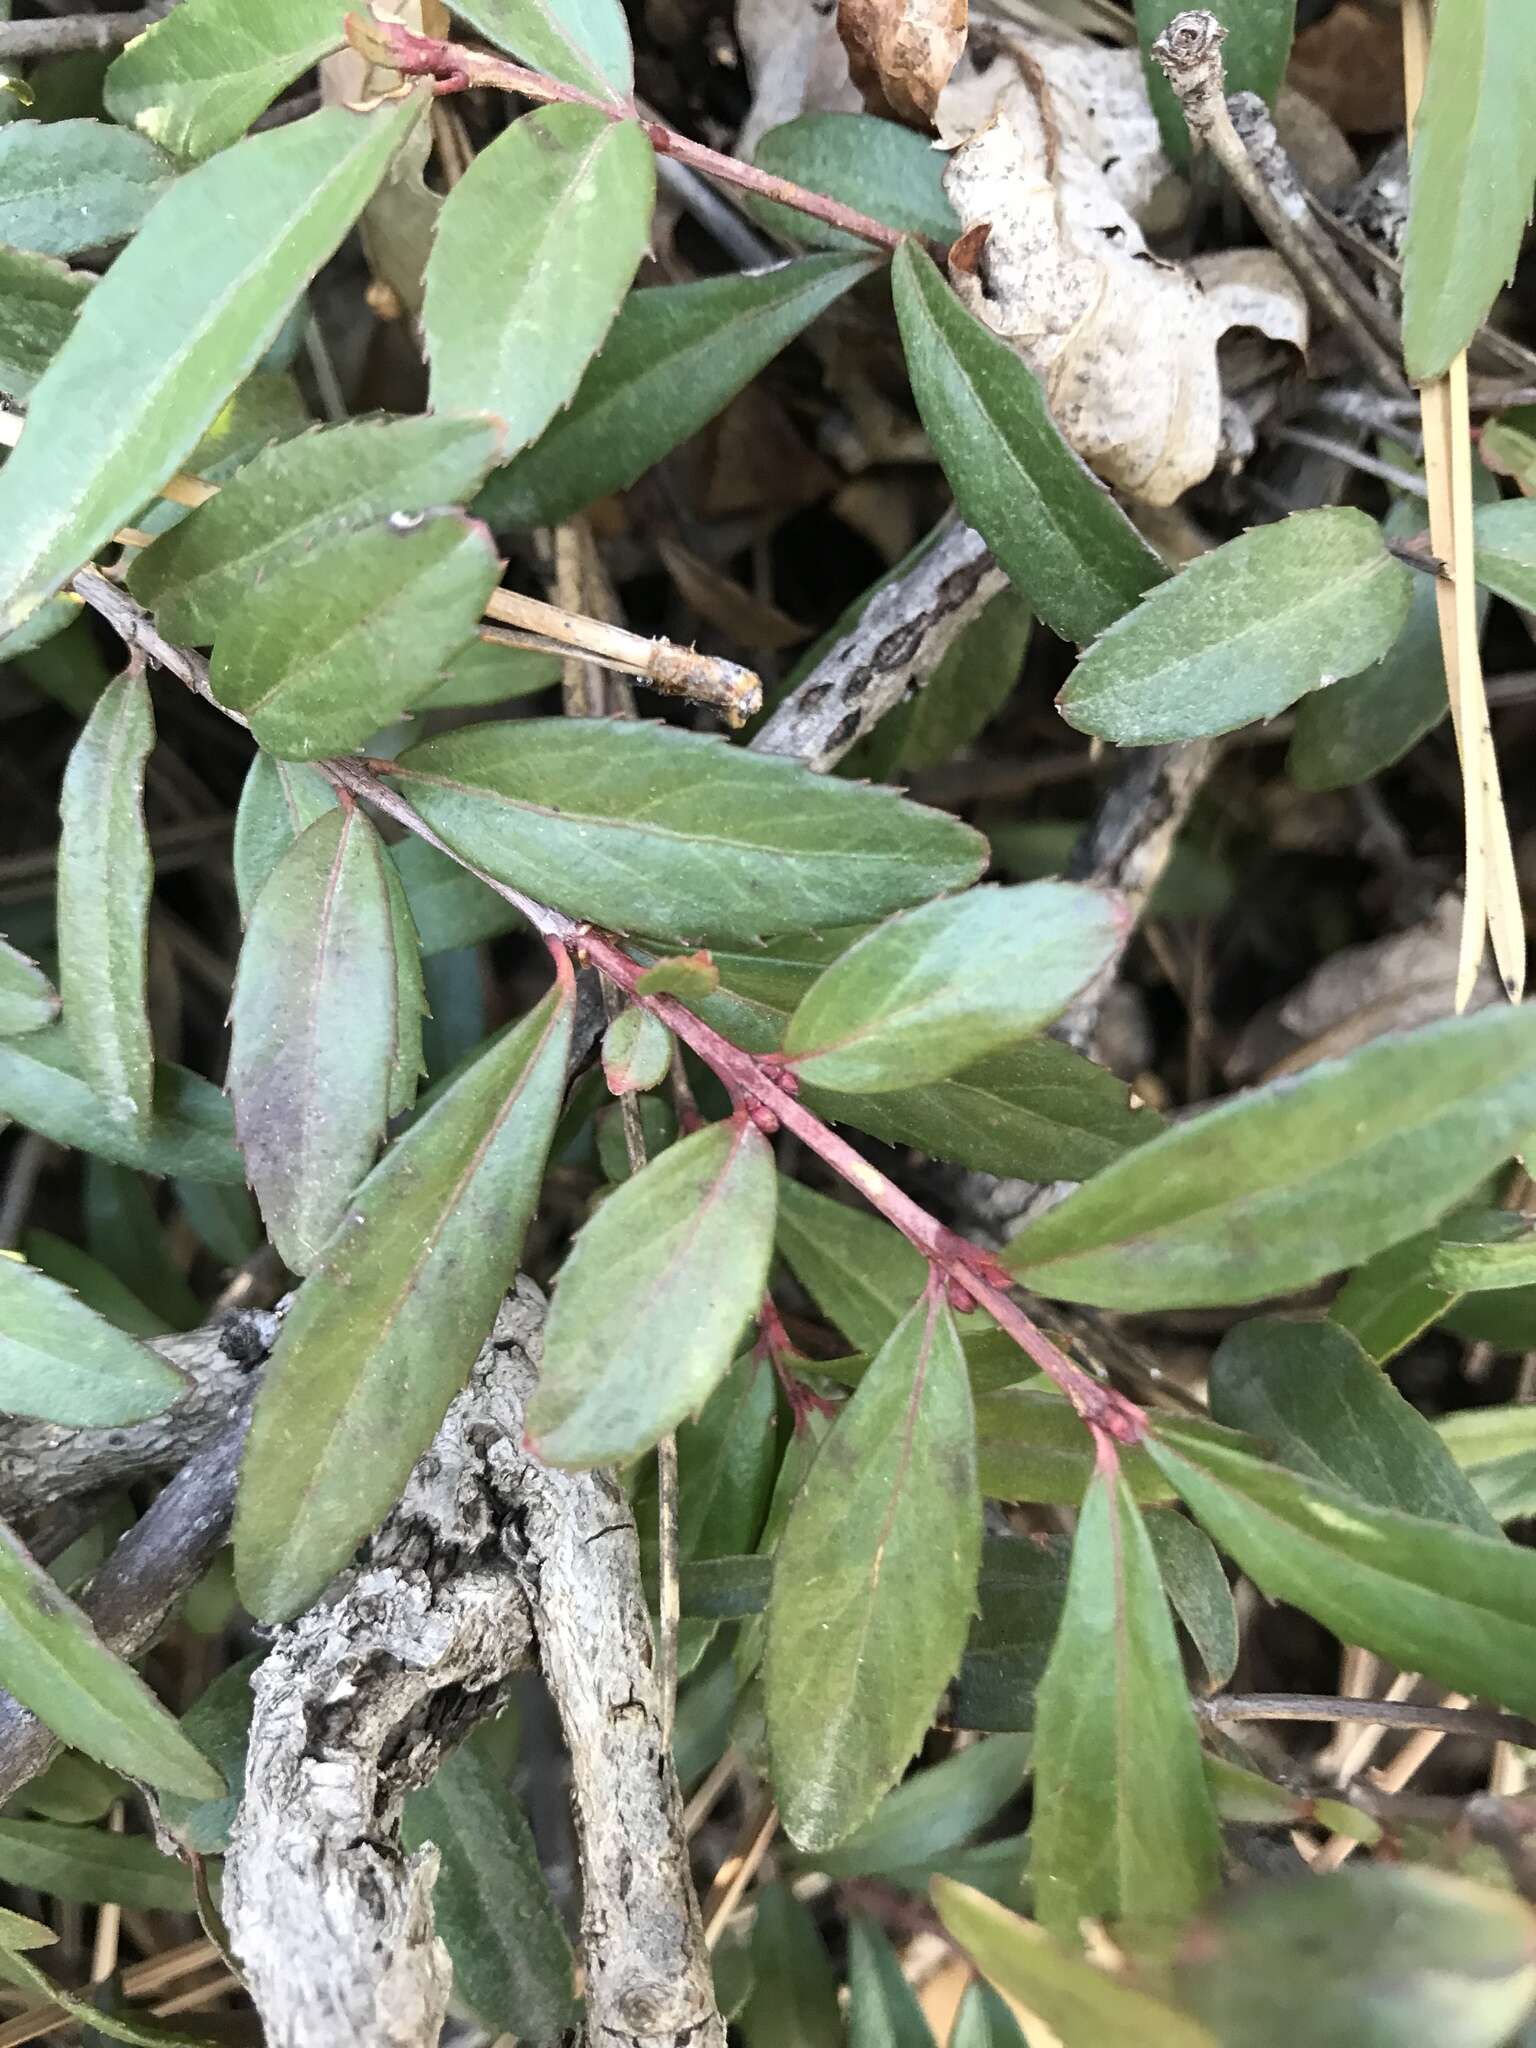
(1482, 1723)
(900, 638)
(64, 35)
(1188, 52)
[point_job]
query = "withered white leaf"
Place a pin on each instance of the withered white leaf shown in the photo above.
(1123, 342)
(901, 52)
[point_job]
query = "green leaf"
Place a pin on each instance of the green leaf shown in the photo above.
(40, 300)
(1506, 550)
(1496, 1448)
(488, 672)
(725, 1588)
(300, 496)
(883, 2011)
(106, 877)
(653, 1297)
(219, 1722)
(1038, 1109)
(61, 1361)
(877, 167)
(325, 650)
(1323, 1408)
(1431, 1596)
(874, 1583)
(1370, 1957)
(1067, 547)
(383, 1333)
(1484, 1251)
(1471, 178)
(1243, 631)
(934, 1811)
(91, 2014)
(565, 197)
(863, 1274)
(72, 185)
(511, 1959)
(195, 81)
(794, 2003)
(637, 1051)
(91, 1867)
(224, 1218)
(1021, 1590)
(54, 1662)
(937, 988)
(983, 2020)
(97, 1286)
(1196, 1584)
(19, 1933)
(1244, 1796)
(27, 998)
(183, 314)
(676, 355)
(1273, 1190)
(1112, 1838)
(190, 1131)
(1258, 42)
(1390, 1300)
(725, 1473)
(1031, 1445)
(278, 800)
(410, 1002)
(1083, 2007)
(583, 42)
(450, 908)
(1358, 727)
(123, 1228)
(313, 1018)
(644, 827)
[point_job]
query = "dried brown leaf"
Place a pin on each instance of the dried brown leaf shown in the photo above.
(901, 53)
(1124, 343)
(1350, 64)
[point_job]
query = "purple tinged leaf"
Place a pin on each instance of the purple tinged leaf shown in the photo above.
(637, 1051)
(384, 1331)
(314, 1022)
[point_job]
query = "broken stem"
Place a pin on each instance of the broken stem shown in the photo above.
(1188, 53)
(674, 671)
(455, 66)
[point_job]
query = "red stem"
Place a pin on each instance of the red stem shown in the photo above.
(455, 66)
(1108, 1414)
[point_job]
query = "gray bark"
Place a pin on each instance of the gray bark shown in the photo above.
(903, 634)
(490, 1560)
(41, 1462)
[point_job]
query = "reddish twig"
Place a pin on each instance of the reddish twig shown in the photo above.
(454, 66)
